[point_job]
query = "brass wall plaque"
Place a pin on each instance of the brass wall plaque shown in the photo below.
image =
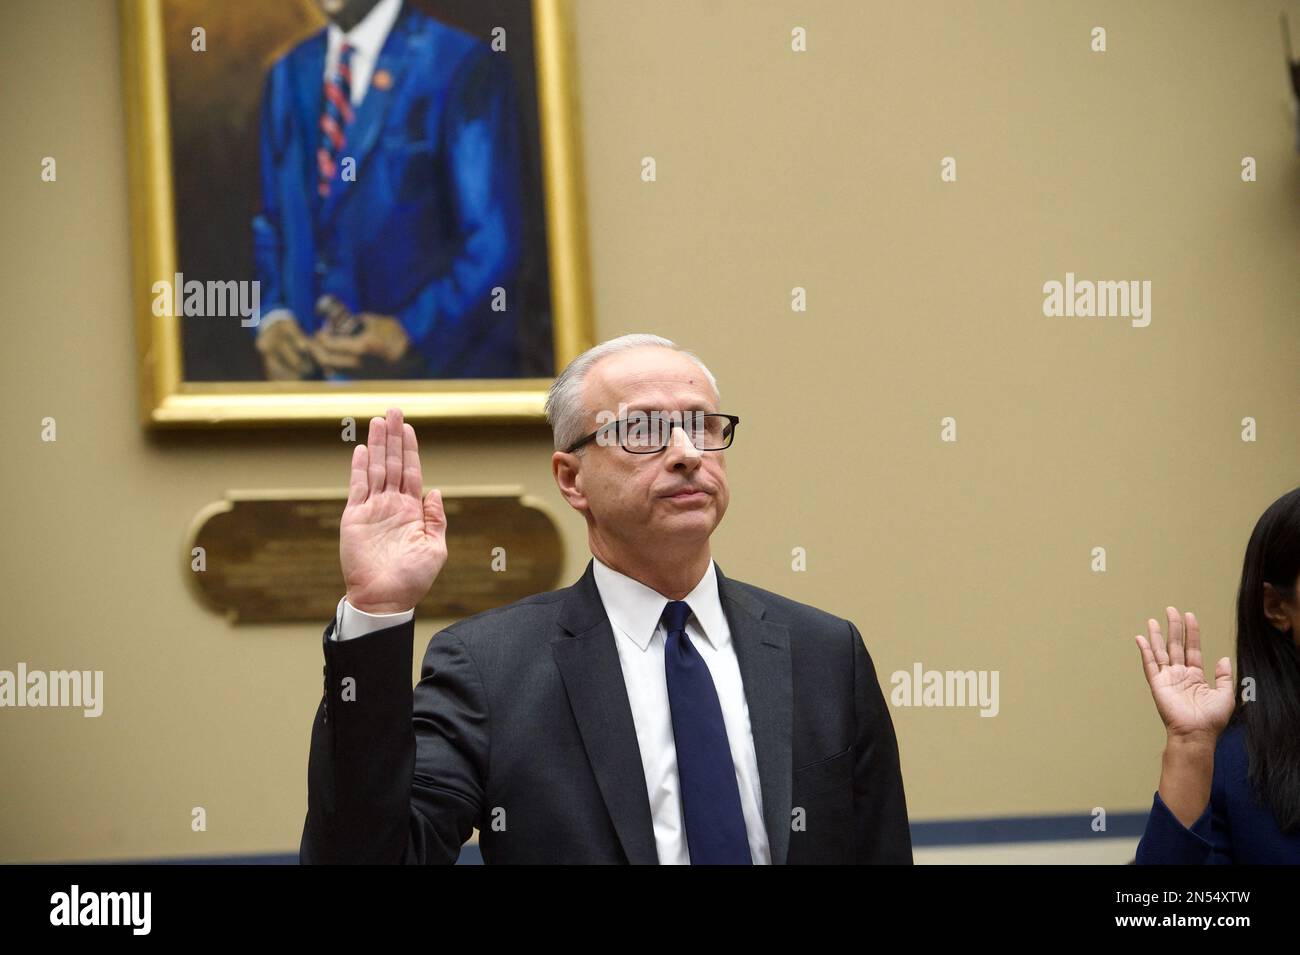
(273, 557)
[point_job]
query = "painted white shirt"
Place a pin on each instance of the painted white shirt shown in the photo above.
(367, 39)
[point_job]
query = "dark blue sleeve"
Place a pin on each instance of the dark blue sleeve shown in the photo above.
(1166, 841)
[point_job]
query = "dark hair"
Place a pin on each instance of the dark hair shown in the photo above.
(1271, 720)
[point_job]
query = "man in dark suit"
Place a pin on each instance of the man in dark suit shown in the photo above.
(655, 711)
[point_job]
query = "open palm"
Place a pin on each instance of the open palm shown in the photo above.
(392, 538)
(1188, 705)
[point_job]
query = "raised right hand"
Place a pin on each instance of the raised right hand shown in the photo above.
(1191, 709)
(392, 538)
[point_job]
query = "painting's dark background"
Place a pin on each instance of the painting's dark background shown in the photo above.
(215, 97)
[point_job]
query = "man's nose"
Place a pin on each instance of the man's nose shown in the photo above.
(681, 451)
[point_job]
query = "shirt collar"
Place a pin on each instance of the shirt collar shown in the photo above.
(635, 609)
(368, 36)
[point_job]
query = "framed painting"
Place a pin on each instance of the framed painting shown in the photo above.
(340, 205)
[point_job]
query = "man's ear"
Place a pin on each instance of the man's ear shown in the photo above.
(1275, 608)
(567, 469)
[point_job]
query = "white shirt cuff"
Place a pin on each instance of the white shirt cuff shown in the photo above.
(271, 317)
(350, 623)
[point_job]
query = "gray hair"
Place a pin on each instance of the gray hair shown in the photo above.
(564, 408)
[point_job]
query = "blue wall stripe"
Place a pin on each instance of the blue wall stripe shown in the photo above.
(1024, 829)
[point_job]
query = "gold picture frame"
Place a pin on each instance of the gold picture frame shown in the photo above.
(168, 400)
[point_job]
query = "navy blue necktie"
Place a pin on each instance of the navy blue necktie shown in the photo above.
(715, 824)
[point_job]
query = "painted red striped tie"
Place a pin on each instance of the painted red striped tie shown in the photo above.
(334, 121)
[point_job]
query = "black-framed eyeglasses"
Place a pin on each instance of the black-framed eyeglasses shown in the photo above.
(649, 432)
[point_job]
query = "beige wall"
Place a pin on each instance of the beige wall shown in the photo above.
(775, 170)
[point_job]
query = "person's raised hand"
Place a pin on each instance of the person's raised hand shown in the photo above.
(392, 538)
(1192, 709)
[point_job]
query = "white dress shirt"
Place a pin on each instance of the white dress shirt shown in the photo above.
(367, 39)
(634, 612)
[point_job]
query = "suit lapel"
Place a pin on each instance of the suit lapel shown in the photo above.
(309, 91)
(763, 652)
(593, 679)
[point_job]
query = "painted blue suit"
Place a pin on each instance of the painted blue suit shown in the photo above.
(432, 222)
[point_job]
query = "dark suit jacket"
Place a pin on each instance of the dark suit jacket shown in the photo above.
(1236, 826)
(520, 727)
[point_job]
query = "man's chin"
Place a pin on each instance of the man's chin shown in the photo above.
(699, 520)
